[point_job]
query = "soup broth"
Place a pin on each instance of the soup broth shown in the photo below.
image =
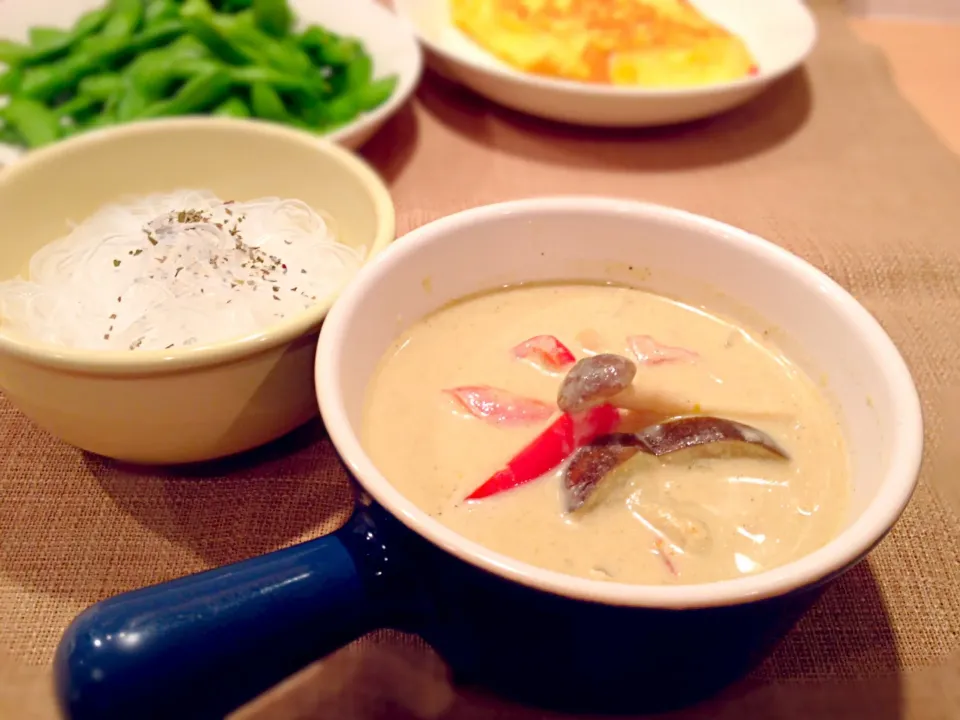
(454, 400)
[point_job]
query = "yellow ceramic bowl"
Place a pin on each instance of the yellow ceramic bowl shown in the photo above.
(177, 406)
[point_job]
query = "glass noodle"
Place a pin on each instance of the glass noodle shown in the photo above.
(177, 270)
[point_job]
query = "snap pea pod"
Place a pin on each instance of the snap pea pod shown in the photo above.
(33, 121)
(233, 107)
(125, 17)
(200, 93)
(273, 17)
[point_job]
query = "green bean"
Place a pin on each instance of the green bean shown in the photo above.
(235, 58)
(155, 71)
(201, 92)
(157, 35)
(261, 49)
(375, 93)
(10, 81)
(313, 39)
(94, 54)
(9, 136)
(132, 103)
(283, 82)
(341, 109)
(107, 114)
(49, 43)
(40, 36)
(76, 106)
(273, 17)
(33, 121)
(160, 11)
(100, 87)
(232, 107)
(329, 49)
(125, 18)
(267, 104)
(155, 79)
(47, 81)
(197, 16)
(90, 22)
(13, 53)
(359, 72)
(234, 6)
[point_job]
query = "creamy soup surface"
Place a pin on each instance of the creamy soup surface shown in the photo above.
(683, 518)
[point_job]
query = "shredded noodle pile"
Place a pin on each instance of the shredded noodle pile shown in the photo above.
(178, 270)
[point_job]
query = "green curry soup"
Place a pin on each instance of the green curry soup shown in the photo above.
(459, 395)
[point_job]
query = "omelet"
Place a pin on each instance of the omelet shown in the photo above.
(648, 43)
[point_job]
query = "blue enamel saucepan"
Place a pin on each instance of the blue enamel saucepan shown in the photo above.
(202, 645)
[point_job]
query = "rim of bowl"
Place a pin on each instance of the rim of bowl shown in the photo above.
(837, 555)
(618, 91)
(287, 330)
(405, 87)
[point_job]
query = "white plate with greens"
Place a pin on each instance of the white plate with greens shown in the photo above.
(339, 68)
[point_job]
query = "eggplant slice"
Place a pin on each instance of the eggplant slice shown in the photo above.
(590, 464)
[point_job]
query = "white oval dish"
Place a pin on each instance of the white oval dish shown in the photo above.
(390, 42)
(692, 258)
(780, 34)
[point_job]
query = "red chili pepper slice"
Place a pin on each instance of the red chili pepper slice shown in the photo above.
(500, 407)
(550, 448)
(547, 350)
(650, 352)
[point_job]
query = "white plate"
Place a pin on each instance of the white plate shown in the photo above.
(779, 33)
(389, 40)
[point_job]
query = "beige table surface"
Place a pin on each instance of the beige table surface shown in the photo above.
(925, 61)
(815, 165)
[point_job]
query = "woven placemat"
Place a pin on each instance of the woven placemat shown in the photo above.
(830, 163)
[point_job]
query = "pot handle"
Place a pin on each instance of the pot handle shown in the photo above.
(205, 644)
